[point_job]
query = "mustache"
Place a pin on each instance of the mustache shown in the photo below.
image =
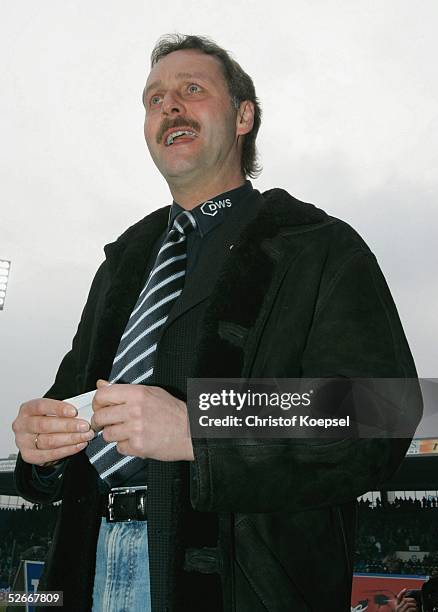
(168, 124)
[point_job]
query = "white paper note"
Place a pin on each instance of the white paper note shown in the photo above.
(82, 403)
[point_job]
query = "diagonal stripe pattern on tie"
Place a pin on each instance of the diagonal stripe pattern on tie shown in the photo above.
(135, 357)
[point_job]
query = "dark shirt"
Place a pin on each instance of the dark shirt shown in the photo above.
(208, 215)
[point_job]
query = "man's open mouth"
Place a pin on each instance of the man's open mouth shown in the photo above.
(175, 134)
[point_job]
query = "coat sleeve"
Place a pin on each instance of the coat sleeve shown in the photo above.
(356, 332)
(67, 383)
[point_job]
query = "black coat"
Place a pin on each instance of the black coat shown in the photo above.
(292, 293)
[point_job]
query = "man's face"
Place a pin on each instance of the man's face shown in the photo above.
(190, 125)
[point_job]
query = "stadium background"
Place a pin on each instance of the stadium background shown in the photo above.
(355, 82)
(396, 541)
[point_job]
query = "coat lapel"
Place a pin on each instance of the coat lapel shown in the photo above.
(246, 285)
(126, 264)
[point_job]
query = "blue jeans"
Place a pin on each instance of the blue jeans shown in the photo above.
(121, 581)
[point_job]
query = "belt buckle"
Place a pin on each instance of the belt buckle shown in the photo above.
(117, 491)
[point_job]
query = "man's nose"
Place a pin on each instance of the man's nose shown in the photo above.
(172, 104)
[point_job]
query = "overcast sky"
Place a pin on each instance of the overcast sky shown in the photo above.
(349, 94)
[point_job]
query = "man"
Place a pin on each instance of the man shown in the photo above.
(274, 287)
(405, 603)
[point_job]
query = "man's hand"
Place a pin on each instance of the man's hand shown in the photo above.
(46, 431)
(145, 421)
(405, 604)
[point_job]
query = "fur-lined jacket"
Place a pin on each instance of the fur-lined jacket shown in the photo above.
(285, 291)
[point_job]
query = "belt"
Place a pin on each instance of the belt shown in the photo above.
(125, 504)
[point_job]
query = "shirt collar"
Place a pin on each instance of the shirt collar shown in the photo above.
(213, 212)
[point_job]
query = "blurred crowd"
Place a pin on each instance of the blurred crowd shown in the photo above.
(20, 530)
(403, 525)
(383, 530)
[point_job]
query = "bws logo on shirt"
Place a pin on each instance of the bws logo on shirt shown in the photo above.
(210, 207)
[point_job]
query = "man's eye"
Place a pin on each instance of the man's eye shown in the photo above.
(193, 88)
(155, 100)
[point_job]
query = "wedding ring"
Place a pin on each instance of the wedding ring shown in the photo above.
(36, 441)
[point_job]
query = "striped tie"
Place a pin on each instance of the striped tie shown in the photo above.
(134, 360)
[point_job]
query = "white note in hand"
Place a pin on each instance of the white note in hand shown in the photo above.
(82, 403)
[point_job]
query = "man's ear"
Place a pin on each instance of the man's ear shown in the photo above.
(245, 118)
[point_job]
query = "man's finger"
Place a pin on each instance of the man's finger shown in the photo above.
(46, 424)
(40, 457)
(102, 383)
(115, 433)
(48, 407)
(108, 415)
(400, 595)
(124, 448)
(108, 395)
(57, 440)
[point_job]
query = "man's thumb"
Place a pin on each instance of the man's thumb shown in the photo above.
(102, 383)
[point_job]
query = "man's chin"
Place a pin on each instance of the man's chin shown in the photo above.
(180, 169)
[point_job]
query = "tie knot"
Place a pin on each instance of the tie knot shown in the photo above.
(184, 223)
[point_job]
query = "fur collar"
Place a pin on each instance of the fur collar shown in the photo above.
(238, 294)
(279, 209)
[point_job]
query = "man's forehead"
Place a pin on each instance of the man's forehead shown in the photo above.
(195, 74)
(184, 64)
